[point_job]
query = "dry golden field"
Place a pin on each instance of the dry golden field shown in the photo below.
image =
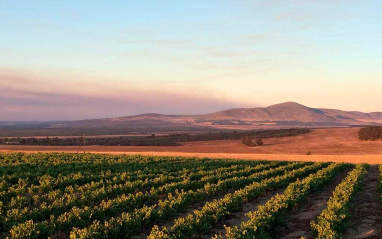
(340, 145)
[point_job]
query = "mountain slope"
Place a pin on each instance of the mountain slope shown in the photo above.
(280, 114)
(288, 111)
(284, 115)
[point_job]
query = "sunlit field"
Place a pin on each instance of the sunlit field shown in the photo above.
(117, 196)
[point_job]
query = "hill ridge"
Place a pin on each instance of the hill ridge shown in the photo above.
(288, 114)
(283, 113)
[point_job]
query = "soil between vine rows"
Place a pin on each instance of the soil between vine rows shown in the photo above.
(237, 218)
(297, 225)
(366, 221)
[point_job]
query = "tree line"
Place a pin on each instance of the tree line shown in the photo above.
(152, 140)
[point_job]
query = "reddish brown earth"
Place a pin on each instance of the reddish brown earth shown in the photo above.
(236, 218)
(366, 210)
(297, 224)
(340, 144)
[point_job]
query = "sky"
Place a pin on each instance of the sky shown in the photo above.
(66, 60)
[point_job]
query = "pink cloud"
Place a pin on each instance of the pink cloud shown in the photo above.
(31, 98)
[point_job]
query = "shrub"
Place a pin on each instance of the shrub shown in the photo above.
(247, 141)
(259, 142)
(370, 133)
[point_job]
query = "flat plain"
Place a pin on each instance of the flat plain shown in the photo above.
(336, 144)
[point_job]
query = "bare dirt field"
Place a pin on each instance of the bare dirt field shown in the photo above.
(341, 145)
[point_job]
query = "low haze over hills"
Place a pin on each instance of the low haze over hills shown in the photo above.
(280, 114)
(287, 114)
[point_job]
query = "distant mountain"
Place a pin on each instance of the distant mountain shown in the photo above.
(289, 111)
(289, 114)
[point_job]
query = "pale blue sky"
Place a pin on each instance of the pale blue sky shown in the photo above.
(85, 59)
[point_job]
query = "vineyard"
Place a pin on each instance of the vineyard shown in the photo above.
(117, 196)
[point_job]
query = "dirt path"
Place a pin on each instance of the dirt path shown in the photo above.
(237, 218)
(367, 213)
(298, 223)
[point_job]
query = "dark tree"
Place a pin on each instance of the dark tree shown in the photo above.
(259, 142)
(371, 133)
(247, 141)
